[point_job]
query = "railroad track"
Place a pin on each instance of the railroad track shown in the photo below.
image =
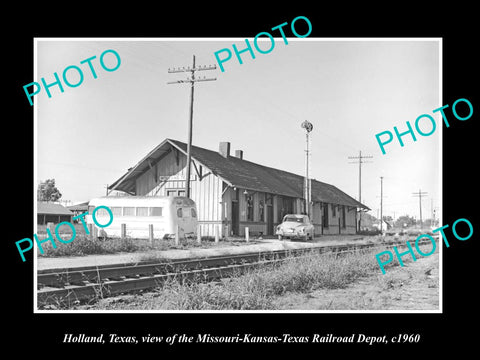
(65, 287)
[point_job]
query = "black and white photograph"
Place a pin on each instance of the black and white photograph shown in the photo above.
(216, 178)
(274, 216)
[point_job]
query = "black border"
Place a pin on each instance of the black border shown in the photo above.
(439, 331)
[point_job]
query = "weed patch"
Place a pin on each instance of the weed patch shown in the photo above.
(256, 289)
(86, 245)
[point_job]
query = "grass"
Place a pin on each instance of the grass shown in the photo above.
(84, 245)
(254, 290)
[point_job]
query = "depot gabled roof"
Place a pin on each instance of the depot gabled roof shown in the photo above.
(238, 173)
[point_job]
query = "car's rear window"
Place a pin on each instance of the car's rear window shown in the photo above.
(294, 219)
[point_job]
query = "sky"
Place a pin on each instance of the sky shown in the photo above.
(349, 89)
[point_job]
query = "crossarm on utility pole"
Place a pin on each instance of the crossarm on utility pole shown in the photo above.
(192, 80)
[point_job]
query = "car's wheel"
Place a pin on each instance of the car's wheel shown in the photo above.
(312, 236)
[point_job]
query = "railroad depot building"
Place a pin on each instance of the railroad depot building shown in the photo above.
(232, 193)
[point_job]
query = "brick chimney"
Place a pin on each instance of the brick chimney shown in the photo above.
(239, 154)
(224, 149)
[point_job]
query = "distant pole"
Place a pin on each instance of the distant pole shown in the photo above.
(192, 80)
(360, 162)
(433, 215)
(431, 212)
(381, 204)
(420, 194)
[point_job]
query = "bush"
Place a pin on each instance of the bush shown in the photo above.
(83, 245)
(369, 232)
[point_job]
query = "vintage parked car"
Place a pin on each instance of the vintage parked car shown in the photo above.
(295, 226)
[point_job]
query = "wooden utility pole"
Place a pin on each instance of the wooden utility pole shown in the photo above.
(192, 80)
(360, 162)
(381, 204)
(420, 194)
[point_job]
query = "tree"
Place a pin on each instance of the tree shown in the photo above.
(405, 221)
(47, 191)
(368, 220)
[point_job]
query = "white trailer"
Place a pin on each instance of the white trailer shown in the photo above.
(167, 214)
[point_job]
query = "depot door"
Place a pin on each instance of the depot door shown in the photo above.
(269, 220)
(269, 207)
(235, 218)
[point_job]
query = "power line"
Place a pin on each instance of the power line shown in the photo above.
(192, 80)
(360, 162)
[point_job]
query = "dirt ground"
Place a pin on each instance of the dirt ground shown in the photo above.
(413, 287)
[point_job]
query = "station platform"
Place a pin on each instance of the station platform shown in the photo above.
(44, 263)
